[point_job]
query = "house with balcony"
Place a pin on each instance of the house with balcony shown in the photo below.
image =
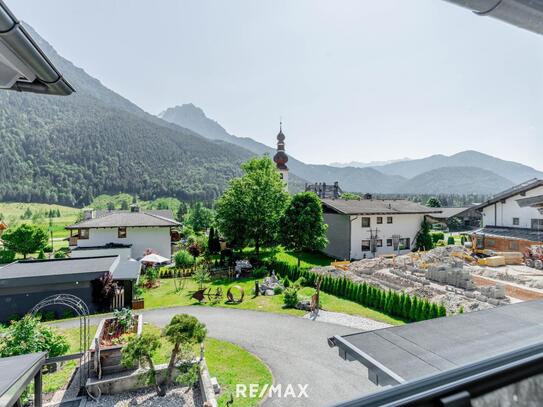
(512, 220)
(367, 228)
(129, 234)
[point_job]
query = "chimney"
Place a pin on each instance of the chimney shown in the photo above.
(89, 214)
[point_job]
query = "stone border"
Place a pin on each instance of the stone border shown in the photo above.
(206, 388)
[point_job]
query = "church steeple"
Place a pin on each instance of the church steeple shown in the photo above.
(280, 158)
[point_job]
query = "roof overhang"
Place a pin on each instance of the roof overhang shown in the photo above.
(527, 14)
(23, 65)
(533, 201)
(405, 353)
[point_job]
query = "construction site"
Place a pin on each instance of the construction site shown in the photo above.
(454, 275)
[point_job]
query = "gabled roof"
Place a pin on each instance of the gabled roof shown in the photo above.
(377, 206)
(23, 65)
(508, 193)
(114, 219)
(447, 213)
(531, 201)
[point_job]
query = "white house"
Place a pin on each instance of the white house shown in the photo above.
(372, 227)
(512, 220)
(125, 233)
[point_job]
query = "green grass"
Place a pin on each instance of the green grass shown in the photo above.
(166, 296)
(307, 259)
(229, 363)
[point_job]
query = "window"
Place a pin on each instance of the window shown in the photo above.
(379, 220)
(405, 243)
(516, 221)
(513, 245)
(389, 242)
(537, 224)
(379, 242)
(365, 245)
(121, 232)
(389, 219)
(365, 222)
(83, 233)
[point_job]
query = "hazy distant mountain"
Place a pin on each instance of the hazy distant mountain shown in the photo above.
(358, 164)
(456, 180)
(350, 179)
(513, 171)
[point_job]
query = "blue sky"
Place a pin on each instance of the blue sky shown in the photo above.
(354, 80)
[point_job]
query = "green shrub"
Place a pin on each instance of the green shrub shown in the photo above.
(278, 290)
(450, 240)
(48, 249)
(437, 236)
(60, 254)
(440, 243)
(290, 297)
(41, 255)
(6, 256)
(286, 282)
(260, 272)
(183, 259)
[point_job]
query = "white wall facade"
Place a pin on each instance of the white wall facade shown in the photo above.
(405, 225)
(503, 213)
(141, 238)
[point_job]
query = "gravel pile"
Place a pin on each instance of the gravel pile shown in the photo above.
(175, 397)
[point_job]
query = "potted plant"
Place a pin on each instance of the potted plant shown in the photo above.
(112, 334)
(138, 301)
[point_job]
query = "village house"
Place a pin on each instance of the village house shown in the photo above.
(129, 234)
(367, 228)
(512, 220)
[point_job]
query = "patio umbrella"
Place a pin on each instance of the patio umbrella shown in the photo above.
(155, 259)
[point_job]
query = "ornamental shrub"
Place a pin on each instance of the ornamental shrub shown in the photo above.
(290, 297)
(437, 236)
(450, 240)
(6, 256)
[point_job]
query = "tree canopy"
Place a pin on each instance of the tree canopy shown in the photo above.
(25, 239)
(251, 207)
(302, 225)
(199, 218)
(433, 202)
(424, 239)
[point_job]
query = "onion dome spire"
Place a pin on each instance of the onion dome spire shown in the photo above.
(281, 157)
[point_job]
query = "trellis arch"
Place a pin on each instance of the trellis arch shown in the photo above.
(82, 310)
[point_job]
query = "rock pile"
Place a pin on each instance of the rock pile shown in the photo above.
(269, 284)
(451, 273)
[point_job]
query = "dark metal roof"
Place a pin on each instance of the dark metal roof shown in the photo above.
(517, 189)
(531, 201)
(527, 14)
(29, 67)
(127, 270)
(36, 272)
(511, 233)
(16, 374)
(447, 213)
(412, 351)
(115, 219)
(377, 206)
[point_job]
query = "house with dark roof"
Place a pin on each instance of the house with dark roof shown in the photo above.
(367, 228)
(126, 233)
(513, 219)
(23, 284)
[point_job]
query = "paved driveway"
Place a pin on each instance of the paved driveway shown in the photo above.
(295, 349)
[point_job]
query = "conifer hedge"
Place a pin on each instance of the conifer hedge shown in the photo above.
(400, 305)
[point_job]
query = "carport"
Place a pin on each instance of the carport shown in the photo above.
(17, 373)
(405, 353)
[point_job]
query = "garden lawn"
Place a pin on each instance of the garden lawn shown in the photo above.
(166, 296)
(307, 259)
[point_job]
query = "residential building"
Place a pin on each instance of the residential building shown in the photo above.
(512, 220)
(23, 284)
(125, 233)
(469, 218)
(367, 228)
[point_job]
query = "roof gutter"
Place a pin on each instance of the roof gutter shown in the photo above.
(527, 14)
(14, 36)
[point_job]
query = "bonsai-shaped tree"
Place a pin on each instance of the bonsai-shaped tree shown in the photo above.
(184, 331)
(141, 349)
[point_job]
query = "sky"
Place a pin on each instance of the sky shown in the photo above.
(352, 80)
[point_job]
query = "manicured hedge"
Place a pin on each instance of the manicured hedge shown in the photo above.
(401, 305)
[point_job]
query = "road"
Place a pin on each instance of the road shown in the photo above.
(295, 350)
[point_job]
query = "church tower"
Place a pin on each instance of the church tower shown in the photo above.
(281, 157)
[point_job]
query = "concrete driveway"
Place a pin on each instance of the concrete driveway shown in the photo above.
(295, 350)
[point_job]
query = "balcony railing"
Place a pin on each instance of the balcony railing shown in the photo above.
(471, 385)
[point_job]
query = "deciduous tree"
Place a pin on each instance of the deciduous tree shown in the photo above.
(25, 239)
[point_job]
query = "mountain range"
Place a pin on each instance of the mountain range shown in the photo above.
(70, 149)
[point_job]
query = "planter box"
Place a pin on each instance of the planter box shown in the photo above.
(138, 303)
(107, 359)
